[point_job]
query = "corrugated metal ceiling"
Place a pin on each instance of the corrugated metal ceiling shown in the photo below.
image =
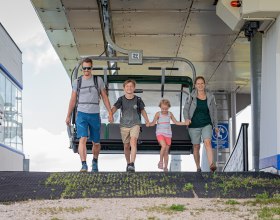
(178, 28)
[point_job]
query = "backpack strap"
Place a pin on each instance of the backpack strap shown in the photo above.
(95, 81)
(79, 83)
(138, 106)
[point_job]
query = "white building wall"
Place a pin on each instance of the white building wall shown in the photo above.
(270, 99)
(10, 160)
(10, 55)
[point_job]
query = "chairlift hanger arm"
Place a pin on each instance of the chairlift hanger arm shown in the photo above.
(124, 59)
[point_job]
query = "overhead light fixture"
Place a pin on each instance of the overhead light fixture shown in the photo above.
(236, 4)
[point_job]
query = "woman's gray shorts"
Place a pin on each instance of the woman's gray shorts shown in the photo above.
(203, 133)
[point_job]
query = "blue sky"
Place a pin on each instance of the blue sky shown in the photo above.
(46, 96)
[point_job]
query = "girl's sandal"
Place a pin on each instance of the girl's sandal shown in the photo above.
(160, 165)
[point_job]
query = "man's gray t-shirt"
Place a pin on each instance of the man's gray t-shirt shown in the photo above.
(88, 94)
(129, 115)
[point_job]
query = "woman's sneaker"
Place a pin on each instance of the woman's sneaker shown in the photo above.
(84, 168)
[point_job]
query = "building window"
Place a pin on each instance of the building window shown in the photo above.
(10, 113)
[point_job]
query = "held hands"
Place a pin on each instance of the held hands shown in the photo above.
(110, 117)
(148, 124)
(188, 122)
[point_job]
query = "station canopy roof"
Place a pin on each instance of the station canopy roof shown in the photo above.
(178, 28)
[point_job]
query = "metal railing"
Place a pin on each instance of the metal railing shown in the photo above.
(238, 159)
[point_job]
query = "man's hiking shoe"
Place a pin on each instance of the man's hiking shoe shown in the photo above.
(94, 166)
(84, 168)
(213, 167)
(130, 167)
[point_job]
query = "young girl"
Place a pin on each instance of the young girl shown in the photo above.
(163, 131)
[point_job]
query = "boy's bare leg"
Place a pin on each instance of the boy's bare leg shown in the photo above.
(133, 144)
(126, 148)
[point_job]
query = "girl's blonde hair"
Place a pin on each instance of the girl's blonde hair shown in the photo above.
(164, 102)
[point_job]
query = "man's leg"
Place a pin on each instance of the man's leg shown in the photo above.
(95, 150)
(83, 153)
(82, 133)
(95, 125)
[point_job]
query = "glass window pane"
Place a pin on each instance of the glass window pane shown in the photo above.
(8, 113)
(2, 104)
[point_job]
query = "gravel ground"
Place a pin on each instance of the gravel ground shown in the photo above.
(130, 208)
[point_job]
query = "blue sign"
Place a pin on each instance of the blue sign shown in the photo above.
(220, 138)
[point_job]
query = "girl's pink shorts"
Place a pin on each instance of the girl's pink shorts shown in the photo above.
(163, 138)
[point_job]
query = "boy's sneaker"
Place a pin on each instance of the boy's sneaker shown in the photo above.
(130, 167)
(94, 166)
(84, 168)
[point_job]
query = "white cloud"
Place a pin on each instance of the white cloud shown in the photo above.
(38, 53)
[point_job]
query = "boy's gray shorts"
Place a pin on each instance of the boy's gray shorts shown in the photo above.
(203, 133)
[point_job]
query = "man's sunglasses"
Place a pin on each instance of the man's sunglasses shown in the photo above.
(87, 68)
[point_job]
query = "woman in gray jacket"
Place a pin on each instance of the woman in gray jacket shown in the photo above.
(200, 113)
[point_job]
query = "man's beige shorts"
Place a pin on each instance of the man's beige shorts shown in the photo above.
(127, 133)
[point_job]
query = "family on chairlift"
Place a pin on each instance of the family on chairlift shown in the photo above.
(200, 114)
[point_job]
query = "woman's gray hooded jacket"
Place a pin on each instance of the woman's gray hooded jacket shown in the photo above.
(190, 106)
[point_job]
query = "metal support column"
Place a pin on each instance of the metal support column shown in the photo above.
(256, 68)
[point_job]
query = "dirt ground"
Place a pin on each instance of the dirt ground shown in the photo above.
(133, 208)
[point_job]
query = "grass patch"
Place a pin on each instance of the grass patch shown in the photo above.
(264, 199)
(269, 213)
(263, 195)
(232, 183)
(88, 185)
(232, 202)
(163, 208)
(188, 186)
(178, 208)
(58, 210)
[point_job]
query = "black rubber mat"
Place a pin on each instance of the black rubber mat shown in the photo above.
(19, 186)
